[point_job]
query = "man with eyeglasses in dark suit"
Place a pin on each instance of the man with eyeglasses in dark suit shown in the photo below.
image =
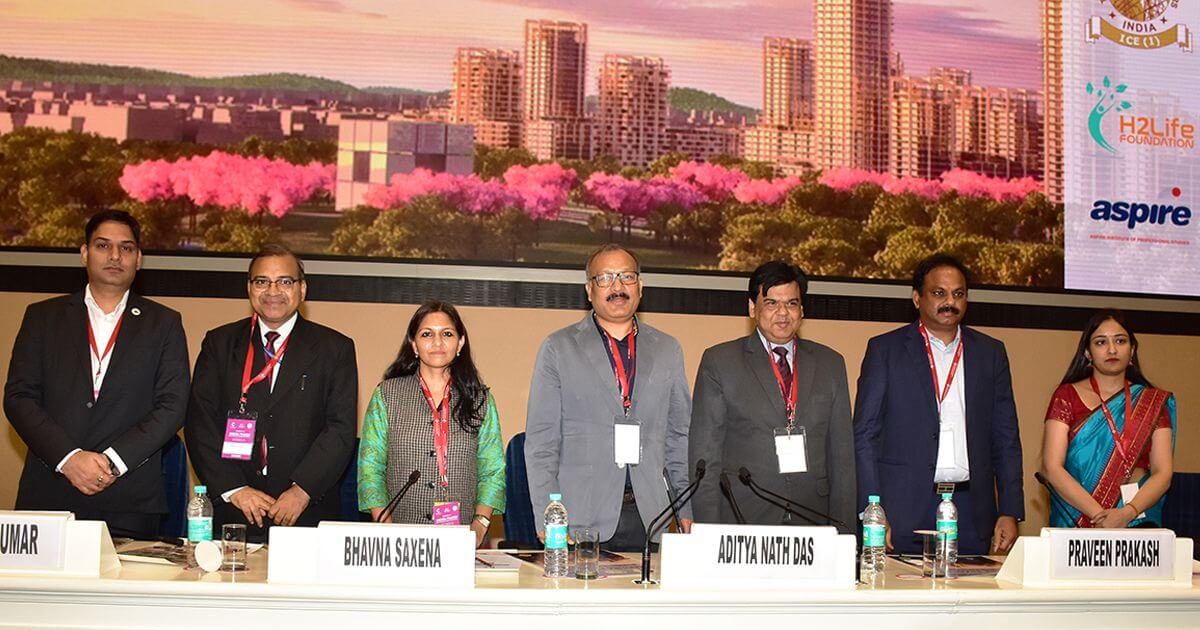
(272, 418)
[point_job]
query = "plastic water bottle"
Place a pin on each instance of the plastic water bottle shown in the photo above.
(874, 540)
(947, 521)
(555, 557)
(199, 516)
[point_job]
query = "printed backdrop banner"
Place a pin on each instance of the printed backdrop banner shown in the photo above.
(1131, 167)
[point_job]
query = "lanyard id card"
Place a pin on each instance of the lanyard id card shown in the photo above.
(446, 513)
(792, 450)
(946, 447)
(627, 441)
(1128, 492)
(239, 435)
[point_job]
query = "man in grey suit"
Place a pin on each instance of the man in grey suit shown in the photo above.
(779, 406)
(608, 410)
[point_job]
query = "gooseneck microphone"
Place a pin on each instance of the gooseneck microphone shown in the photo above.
(1062, 504)
(659, 521)
(387, 511)
(728, 492)
(782, 501)
(672, 495)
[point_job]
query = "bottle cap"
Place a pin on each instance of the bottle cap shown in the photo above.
(946, 496)
(201, 489)
(874, 498)
(554, 496)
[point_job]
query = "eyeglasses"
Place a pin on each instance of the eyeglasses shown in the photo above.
(607, 278)
(262, 284)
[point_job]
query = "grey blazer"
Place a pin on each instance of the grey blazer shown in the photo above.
(573, 401)
(737, 408)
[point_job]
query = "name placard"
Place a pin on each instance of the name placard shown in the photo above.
(1112, 554)
(373, 554)
(33, 541)
(753, 556)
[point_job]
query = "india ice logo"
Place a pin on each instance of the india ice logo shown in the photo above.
(1106, 101)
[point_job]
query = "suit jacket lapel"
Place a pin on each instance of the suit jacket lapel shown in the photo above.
(759, 365)
(123, 349)
(972, 369)
(79, 357)
(919, 359)
(805, 374)
(296, 359)
(591, 346)
(644, 356)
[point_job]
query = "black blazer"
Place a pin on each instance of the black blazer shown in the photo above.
(896, 435)
(737, 407)
(48, 400)
(309, 418)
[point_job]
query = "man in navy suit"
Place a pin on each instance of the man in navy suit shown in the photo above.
(934, 414)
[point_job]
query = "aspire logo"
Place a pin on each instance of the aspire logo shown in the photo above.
(1132, 213)
(1106, 101)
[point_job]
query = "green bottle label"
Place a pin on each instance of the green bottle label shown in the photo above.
(950, 527)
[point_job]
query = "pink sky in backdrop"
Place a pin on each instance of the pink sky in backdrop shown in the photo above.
(714, 45)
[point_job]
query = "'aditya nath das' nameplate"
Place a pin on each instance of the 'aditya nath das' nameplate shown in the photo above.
(33, 541)
(374, 554)
(1112, 554)
(755, 556)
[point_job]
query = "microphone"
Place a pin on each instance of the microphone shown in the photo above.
(387, 511)
(658, 521)
(745, 478)
(672, 495)
(728, 492)
(1053, 494)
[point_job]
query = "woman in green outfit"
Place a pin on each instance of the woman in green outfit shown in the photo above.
(433, 414)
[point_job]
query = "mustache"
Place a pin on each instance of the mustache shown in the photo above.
(948, 309)
(614, 296)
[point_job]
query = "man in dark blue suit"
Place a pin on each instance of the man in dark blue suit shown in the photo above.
(934, 413)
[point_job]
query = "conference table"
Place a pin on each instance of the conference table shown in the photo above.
(157, 596)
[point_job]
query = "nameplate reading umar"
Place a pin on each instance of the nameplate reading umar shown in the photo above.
(32, 540)
(1112, 554)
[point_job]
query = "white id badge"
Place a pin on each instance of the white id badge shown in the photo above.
(1128, 492)
(791, 450)
(945, 452)
(627, 441)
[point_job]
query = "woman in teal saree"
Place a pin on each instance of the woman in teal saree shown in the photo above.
(1109, 434)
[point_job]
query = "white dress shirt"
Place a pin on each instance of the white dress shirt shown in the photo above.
(103, 326)
(284, 330)
(952, 464)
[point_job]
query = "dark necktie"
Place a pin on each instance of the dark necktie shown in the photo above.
(785, 369)
(269, 350)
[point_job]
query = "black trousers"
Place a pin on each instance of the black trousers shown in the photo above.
(125, 524)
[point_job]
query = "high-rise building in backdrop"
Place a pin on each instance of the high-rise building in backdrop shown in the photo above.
(787, 82)
(486, 94)
(555, 74)
(853, 75)
(634, 109)
(1052, 82)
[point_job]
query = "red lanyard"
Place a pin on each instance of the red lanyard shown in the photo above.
(112, 339)
(247, 381)
(941, 396)
(790, 394)
(624, 380)
(441, 429)
(1112, 424)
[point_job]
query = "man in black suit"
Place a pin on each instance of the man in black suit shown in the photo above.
(779, 406)
(97, 385)
(272, 418)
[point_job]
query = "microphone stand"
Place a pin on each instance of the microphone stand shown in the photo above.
(745, 478)
(1062, 504)
(658, 522)
(387, 511)
(728, 492)
(672, 495)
